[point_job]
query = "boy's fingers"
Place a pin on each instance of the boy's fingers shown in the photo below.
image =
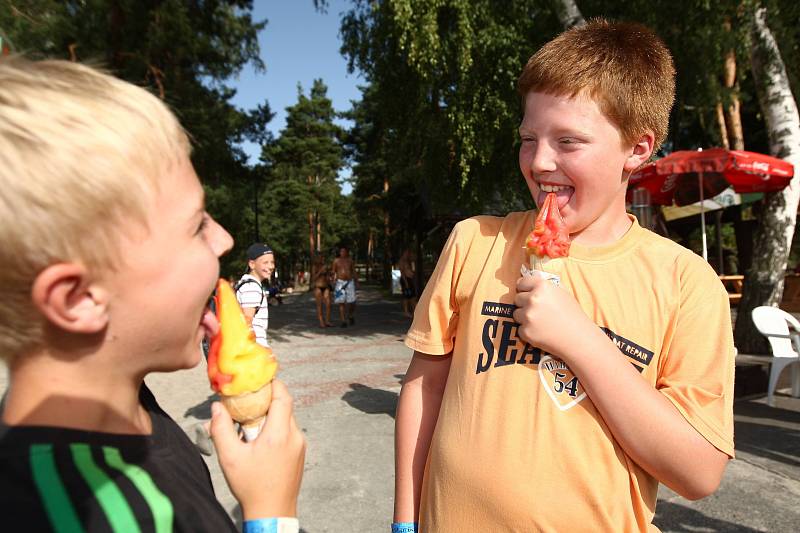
(280, 392)
(526, 283)
(222, 430)
(520, 300)
(280, 410)
(529, 283)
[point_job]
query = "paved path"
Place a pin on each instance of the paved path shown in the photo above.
(345, 384)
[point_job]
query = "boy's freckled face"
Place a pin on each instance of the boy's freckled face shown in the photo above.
(166, 274)
(569, 147)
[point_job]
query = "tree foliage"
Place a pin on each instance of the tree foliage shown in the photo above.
(442, 79)
(183, 51)
(305, 210)
(439, 113)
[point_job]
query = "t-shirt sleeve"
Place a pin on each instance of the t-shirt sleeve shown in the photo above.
(698, 369)
(436, 315)
(250, 295)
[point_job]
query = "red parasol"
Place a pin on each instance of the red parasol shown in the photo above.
(677, 175)
(686, 177)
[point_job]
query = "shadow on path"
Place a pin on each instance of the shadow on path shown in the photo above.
(202, 411)
(371, 401)
(672, 517)
(769, 432)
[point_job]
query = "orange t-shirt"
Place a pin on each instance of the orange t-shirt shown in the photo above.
(518, 445)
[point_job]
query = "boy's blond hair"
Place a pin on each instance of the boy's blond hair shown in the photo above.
(623, 66)
(80, 151)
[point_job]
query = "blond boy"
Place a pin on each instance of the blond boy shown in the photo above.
(102, 220)
(531, 407)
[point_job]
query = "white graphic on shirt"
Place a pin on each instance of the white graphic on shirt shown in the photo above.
(560, 383)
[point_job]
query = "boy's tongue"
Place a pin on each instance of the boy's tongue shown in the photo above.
(210, 323)
(561, 197)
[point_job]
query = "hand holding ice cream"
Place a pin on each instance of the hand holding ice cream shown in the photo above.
(240, 369)
(263, 475)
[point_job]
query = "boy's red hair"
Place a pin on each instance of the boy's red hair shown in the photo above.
(623, 66)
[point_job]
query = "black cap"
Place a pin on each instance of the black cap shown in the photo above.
(257, 250)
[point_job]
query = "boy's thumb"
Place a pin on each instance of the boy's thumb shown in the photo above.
(222, 431)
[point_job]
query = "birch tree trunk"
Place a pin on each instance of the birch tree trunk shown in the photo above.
(773, 238)
(568, 13)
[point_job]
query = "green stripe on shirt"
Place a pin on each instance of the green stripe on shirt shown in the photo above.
(109, 496)
(57, 504)
(160, 505)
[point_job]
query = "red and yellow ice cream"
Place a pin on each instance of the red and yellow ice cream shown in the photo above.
(550, 236)
(239, 369)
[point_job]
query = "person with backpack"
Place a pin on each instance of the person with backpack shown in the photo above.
(250, 289)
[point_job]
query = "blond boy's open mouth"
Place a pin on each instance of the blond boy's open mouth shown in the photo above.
(209, 323)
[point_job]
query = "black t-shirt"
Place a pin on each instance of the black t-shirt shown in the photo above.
(56, 479)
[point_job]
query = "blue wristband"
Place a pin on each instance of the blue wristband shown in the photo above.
(404, 527)
(271, 525)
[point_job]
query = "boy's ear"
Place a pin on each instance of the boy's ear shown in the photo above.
(641, 152)
(65, 296)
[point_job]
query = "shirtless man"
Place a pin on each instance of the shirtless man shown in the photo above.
(344, 288)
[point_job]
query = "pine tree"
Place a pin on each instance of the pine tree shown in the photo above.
(304, 207)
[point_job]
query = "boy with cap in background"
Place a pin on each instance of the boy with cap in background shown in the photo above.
(250, 291)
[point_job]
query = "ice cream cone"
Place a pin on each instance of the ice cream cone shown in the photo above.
(546, 266)
(249, 409)
(548, 243)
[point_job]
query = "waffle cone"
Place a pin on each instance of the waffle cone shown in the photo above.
(249, 408)
(545, 266)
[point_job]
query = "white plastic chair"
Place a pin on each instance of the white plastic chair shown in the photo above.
(774, 324)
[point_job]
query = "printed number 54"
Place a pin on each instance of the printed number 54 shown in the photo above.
(570, 386)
